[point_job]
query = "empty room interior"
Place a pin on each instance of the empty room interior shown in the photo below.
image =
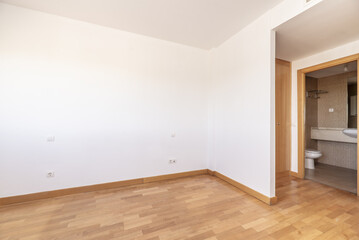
(179, 119)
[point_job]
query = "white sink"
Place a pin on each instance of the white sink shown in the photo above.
(351, 132)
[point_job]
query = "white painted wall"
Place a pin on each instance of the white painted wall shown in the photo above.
(110, 98)
(243, 104)
(242, 107)
(326, 56)
(125, 95)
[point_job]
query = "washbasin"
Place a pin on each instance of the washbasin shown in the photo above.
(351, 132)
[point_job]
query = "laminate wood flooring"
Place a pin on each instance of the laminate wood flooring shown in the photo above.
(194, 208)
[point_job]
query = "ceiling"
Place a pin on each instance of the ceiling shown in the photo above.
(328, 24)
(199, 23)
(352, 66)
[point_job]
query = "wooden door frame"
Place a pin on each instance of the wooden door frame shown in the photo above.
(301, 108)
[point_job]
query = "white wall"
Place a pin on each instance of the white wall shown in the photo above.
(243, 104)
(242, 108)
(111, 99)
(326, 56)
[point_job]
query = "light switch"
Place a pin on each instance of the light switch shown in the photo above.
(331, 109)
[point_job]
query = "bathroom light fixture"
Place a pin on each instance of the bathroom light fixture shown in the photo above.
(346, 68)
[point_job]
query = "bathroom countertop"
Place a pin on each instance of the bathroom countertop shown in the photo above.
(331, 134)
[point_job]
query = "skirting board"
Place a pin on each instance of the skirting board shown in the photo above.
(111, 185)
(250, 191)
(294, 174)
(97, 187)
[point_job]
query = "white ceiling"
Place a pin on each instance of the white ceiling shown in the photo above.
(199, 23)
(329, 24)
(352, 66)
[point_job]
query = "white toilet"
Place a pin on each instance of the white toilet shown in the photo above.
(310, 155)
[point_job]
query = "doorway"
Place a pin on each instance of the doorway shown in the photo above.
(319, 132)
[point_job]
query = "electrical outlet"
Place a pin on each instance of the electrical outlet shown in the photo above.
(50, 174)
(172, 161)
(50, 139)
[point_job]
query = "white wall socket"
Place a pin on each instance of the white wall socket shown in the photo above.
(50, 174)
(50, 139)
(172, 161)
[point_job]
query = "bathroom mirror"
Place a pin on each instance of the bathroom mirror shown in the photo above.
(353, 106)
(352, 102)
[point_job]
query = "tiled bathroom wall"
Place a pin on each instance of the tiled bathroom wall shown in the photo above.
(338, 154)
(318, 115)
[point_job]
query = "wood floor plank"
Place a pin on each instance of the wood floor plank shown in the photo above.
(198, 208)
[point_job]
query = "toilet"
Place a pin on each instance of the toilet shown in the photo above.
(310, 155)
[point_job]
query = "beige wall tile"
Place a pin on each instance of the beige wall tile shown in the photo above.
(338, 154)
(318, 115)
(336, 98)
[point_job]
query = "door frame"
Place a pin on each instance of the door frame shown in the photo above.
(301, 108)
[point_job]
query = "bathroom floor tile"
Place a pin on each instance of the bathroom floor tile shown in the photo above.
(337, 177)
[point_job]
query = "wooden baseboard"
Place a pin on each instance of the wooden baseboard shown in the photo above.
(250, 191)
(210, 172)
(273, 200)
(294, 174)
(174, 176)
(112, 185)
(282, 174)
(96, 187)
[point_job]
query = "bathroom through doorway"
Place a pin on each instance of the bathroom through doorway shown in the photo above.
(327, 123)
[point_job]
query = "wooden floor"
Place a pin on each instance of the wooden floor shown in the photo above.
(337, 177)
(194, 208)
